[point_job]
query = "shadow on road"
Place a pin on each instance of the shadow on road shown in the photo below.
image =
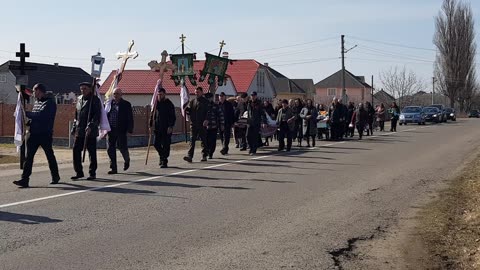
(169, 184)
(26, 219)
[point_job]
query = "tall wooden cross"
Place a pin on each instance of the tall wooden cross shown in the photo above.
(127, 55)
(22, 54)
(162, 66)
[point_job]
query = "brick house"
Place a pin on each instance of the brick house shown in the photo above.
(357, 89)
(62, 81)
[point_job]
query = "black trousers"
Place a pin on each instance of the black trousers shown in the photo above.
(211, 141)
(360, 129)
(198, 133)
(35, 141)
(252, 138)
(382, 125)
(92, 154)
(284, 132)
(241, 137)
(335, 131)
(115, 141)
(394, 124)
(162, 145)
(225, 136)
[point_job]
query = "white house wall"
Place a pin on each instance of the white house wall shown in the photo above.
(268, 93)
(144, 100)
(228, 89)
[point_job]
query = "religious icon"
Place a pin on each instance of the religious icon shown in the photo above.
(215, 65)
(183, 63)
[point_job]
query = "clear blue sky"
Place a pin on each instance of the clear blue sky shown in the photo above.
(69, 32)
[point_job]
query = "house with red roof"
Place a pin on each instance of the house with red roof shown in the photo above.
(243, 76)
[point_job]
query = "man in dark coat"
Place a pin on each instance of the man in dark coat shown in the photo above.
(41, 118)
(120, 118)
(164, 119)
(215, 123)
(229, 118)
(256, 119)
(197, 110)
(86, 125)
(286, 123)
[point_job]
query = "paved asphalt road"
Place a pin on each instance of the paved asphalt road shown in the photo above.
(271, 211)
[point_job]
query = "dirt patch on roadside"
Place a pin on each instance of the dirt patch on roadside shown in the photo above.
(7, 159)
(450, 225)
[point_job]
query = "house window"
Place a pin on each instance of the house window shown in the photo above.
(3, 78)
(332, 91)
(363, 93)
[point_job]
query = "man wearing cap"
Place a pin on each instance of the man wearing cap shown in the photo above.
(87, 118)
(120, 118)
(42, 118)
(256, 119)
(197, 110)
(229, 116)
(164, 119)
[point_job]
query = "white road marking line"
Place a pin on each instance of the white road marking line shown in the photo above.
(162, 176)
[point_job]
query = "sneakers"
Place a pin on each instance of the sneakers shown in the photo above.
(187, 159)
(204, 158)
(126, 165)
(92, 177)
(112, 172)
(21, 183)
(164, 165)
(55, 181)
(223, 152)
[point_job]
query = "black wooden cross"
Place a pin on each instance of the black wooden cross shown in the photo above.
(22, 54)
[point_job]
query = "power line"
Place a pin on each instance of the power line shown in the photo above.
(283, 47)
(392, 44)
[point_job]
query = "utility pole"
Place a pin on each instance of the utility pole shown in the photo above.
(344, 91)
(433, 90)
(372, 90)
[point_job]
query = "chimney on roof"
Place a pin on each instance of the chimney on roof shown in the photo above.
(225, 55)
(55, 64)
(265, 64)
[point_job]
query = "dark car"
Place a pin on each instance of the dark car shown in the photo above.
(443, 115)
(451, 115)
(412, 114)
(432, 114)
(473, 113)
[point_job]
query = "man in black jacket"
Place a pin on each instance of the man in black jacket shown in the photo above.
(86, 125)
(120, 118)
(256, 119)
(164, 120)
(197, 110)
(229, 118)
(42, 118)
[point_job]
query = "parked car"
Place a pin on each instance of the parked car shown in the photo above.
(432, 114)
(451, 114)
(443, 116)
(474, 113)
(412, 114)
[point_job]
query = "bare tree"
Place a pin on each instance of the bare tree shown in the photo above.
(455, 62)
(401, 84)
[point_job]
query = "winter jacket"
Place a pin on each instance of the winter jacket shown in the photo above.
(43, 116)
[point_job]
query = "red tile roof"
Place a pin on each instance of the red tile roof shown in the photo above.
(241, 72)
